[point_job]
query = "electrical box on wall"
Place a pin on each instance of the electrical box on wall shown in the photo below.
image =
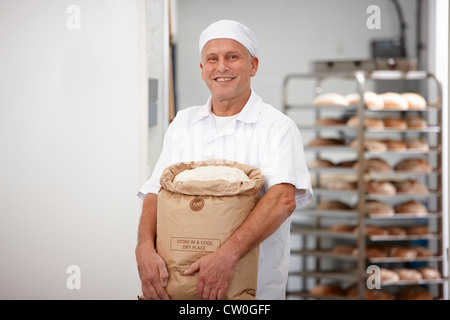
(387, 48)
(152, 102)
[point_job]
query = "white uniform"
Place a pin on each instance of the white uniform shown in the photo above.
(260, 136)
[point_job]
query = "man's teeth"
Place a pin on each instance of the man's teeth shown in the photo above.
(223, 79)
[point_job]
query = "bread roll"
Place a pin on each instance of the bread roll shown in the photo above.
(337, 227)
(423, 251)
(375, 251)
(369, 294)
(429, 273)
(415, 122)
(377, 165)
(414, 293)
(413, 165)
(379, 208)
(411, 187)
(333, 205)
(381, 187)
(346, 249)
(388, 276)
(394, 123)
(320, 163)
(342, 185)
(394, 101)
(417, 230)
(415, 101)
(416, 144)
(412, 207)
(402, 252)
(408, 274)
(330, 99)
(395, 231)
(395, 145)
(371, 99)
(326, 289)
(322, 142)
(370, 144)
(369, 122)
(329, 122)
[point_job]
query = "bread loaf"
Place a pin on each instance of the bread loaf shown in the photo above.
(402, 252)
(416, 144)
(320, 163)
(322, 142)
(417, 230)
(378, 208)
(388, 276)
(415, 122)
(329, 122)
(414, 293)
(394, 101)
(326, 289)
(408, 274)
(370, 144)
(394, 123)
(411, 187)
(415, 101)
(395, 145)
(338, 227)
(413, 165)
(423, 251)
(369, 294)
(375, 251)
(346, 249)
(395, 231)
(332, 205)
(429, 273)
(381, 187)
(377, 165)
(330, 99)
(371, 99)
(342, 185)
(369, 122)
(412, 207)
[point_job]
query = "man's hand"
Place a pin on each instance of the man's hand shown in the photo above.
(215, 275)
(153, 273)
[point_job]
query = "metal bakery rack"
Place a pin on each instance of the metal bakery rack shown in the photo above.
(313, 239)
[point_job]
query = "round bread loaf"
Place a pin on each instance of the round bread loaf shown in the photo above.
(402, 252)
(383, 187)
(346, 249)
(320, 163)
(415, 101)
(395, 145)
(423, 251)
(342, 185)
(348, 164)
(429, 273)
(370, 144)
(416, 144)
(326, 289)
(413, 165)
(372, 230)
(396, 231)
(394, 101)
(375, 251)
(408, 274)
(378, 208)
(330, 99)
(324, 142)
(332, 205)
(371, 100)
(394, 123)
(388, 276)
(417, 230)
(338, 227)
(369, 294)
(329, 122)
(412, 207)
(414, 293)
(377, 165)
(416, 122)
(411, 187)
(369, 122)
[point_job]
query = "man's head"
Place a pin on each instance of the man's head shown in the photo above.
(229, 53)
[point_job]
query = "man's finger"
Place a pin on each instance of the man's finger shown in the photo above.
(193, 268)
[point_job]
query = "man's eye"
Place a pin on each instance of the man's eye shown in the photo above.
(212, 59)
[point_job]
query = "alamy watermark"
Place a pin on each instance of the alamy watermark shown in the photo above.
(74, 280)
(374, 20)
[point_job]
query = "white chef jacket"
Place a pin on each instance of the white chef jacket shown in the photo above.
(260, 136)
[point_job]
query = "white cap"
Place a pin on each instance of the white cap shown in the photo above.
(229, 29)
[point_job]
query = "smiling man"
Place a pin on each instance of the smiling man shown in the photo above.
(236, 125)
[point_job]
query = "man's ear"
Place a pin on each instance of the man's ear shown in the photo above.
(203, 76)
(255, 62)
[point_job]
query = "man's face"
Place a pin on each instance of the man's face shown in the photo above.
(227, 68)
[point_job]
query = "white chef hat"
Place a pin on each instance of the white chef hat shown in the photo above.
(229, 29)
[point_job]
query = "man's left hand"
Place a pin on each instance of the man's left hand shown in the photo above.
(215, 275)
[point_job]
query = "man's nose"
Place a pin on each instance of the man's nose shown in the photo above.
(222, 65)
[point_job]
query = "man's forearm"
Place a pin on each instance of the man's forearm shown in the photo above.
(147, 224)
(267, 216)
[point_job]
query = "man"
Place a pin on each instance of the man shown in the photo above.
(234, 125)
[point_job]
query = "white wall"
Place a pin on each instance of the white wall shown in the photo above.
(70, 118)
(291, 34)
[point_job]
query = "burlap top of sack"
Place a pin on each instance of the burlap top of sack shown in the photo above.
(195, 218)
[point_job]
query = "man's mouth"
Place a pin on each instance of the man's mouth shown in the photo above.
(223, 79)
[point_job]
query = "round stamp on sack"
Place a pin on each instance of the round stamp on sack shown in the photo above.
(197, 204)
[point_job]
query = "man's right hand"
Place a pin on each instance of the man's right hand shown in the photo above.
(153, 273)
